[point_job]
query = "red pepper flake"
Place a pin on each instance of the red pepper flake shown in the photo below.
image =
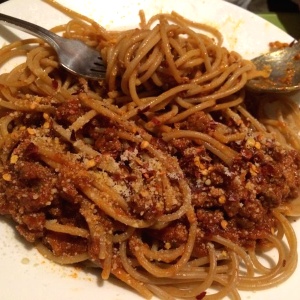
(32, 151)
(131, 178)
(156, 122)
(201, 296)
(283, 263)
(247, 154)
(297, 56)
(54, 84)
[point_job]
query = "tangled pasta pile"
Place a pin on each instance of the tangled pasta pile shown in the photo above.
(160, 174)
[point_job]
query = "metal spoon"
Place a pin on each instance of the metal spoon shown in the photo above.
(284, 65)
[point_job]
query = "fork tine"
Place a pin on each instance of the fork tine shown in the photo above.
(74, 55)
(98, 65)
(100, 62)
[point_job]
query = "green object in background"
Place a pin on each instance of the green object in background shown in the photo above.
(289, 22)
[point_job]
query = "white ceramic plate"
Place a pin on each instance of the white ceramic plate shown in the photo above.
(24, 274)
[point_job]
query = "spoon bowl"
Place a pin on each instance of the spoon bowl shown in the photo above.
(284, 68)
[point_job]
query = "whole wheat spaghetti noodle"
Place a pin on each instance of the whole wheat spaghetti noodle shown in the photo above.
(163, 174)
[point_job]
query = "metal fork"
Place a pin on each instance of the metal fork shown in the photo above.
(73, 55)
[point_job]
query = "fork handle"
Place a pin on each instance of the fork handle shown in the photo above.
(38, 31)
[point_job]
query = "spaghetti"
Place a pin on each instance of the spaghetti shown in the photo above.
(159, 174)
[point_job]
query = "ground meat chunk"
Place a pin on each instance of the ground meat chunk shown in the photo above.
(199, 121)
(175, 234)
(109, 143)
(31, 186)
(63, 244)
(69, 111)
(30, 235)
